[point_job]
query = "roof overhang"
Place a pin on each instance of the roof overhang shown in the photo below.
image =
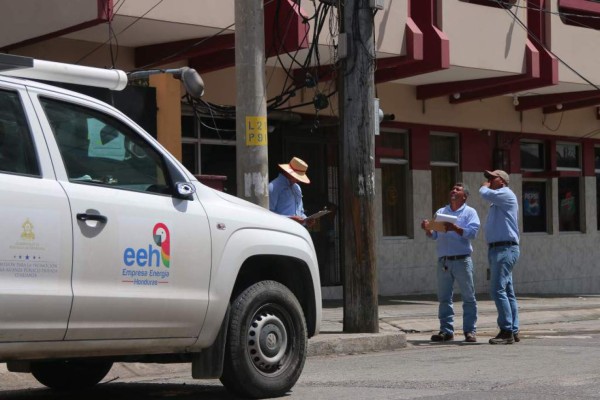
(33, 21)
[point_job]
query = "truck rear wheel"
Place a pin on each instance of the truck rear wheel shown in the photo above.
(70, 374)
(266, 342)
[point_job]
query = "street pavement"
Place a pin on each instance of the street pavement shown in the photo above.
(404, 321)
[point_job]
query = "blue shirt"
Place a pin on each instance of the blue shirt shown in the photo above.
(502, 222)
(451, 243)
(285, 198)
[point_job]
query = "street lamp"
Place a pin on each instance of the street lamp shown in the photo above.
(188, 76)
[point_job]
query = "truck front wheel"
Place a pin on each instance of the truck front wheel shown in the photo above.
(266, 342)
(70, 374)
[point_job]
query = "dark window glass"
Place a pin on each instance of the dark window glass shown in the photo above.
(442, 180)
(216, 128)
(100, 150)
(444, 168)
(393, 153)
(568, 204)
(598, 201)
(17, 153)
(444, 148)
(188, 128)
(532, 156)
(189, 156)
(220, 160)
(394, 140)
(534, 207)
(567, 155)
(597, 158)
(394, 199)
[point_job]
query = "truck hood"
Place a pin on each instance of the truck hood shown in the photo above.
(241, 214)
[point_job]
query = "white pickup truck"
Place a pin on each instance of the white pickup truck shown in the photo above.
(111, 251)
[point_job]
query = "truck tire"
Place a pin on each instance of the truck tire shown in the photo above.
(70, 374)
(266, 342)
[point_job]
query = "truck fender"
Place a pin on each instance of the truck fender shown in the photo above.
(240, 246)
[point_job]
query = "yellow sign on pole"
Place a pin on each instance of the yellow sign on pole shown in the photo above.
(256, 131)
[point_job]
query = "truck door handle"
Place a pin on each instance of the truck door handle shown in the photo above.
(91, 217)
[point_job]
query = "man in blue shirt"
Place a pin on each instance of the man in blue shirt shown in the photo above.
(502, 236)
(455, 264)
(285, 195)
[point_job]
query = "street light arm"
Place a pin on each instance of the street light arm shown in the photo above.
(191, 80)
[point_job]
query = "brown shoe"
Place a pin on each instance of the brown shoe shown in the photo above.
(504, 337)
(470, 337)
(442, 337)
(516, 336)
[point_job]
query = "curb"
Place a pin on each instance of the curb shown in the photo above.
(326, 344)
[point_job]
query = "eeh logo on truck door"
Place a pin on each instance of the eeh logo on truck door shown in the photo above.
(162, 239)
(146, 265)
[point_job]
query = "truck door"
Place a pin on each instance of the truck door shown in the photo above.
(35, 239)
(141, 258)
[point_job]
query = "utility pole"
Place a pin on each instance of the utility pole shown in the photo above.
(357, 144)
(251, 107)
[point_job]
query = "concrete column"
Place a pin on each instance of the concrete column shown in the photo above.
(168, 116)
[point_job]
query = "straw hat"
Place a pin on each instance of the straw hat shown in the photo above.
(296, 168)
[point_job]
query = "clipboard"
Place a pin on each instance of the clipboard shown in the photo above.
(438, 223)
(319, 214)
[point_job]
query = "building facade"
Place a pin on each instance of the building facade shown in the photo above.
(471, 85)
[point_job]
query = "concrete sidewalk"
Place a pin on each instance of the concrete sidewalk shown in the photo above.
(407, 320)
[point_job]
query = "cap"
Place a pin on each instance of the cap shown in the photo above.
(499, 173)
(296, 168)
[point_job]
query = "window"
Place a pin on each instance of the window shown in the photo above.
(444, 167)
(209, 148)
(100, 150)
(568, 204)
(568, 156)
(533, 156)
(17, 153)
(393, 158)
(534, 207)
(597, 170)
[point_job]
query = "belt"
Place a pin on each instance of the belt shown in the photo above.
(452, 258)
(507, 243)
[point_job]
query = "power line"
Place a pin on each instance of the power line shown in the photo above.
(539, 42)
(126, 28)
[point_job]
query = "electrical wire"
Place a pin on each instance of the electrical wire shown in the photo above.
(111, 35)
(126, 28)
(557, 126)
(539, 42)
(503, 3)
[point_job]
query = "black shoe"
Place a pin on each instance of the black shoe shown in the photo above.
(516, 336)
(470, 337)
(442, 337)
(504, 337)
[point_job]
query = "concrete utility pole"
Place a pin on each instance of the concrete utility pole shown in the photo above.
(357, 143)
(251, 107)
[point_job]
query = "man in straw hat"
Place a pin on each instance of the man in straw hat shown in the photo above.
(285, 195)
(502, 236)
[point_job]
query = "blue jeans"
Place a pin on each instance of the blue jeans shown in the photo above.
(460, 271)
(502, 260)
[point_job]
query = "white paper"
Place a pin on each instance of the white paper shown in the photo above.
(445, 218)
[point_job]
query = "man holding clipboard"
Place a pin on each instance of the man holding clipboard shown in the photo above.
(285, 194)
(454, 226)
